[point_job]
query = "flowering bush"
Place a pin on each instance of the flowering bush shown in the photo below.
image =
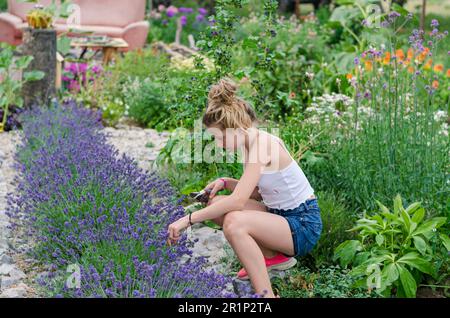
(77, 75)
(397, 138)
(85, 205)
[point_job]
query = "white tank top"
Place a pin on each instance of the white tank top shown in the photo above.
(286, 188)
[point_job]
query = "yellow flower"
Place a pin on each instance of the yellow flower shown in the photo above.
(368, 65)
(428, 65)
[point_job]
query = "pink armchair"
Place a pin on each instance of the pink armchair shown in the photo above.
(115, 18)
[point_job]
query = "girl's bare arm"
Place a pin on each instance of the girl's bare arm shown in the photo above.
(242, 191)
(231, 185)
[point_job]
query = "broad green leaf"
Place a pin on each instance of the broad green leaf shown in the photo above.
(414, 260)
(418, 215)
(412, 208)
(397, 204)
(23, 62)
(379, 239)
(19, 102)
(408, 282)
(346, 251)
(33, 76)
(383, 208)
(399, 9)
(63, 45)
(429, 225)
(359, 270)
(445, 241)
(389, 273)
(406, 219)
(345, 2)
(420, 244)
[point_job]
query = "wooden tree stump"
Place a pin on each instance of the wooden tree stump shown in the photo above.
(41, 44)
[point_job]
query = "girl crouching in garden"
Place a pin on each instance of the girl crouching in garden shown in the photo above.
(272, 214)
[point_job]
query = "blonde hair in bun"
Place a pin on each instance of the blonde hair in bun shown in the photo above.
(227, 110)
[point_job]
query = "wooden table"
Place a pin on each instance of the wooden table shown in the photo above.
(109, 48)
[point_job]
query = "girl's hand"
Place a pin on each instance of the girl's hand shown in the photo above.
(215, 187)
(175, 229)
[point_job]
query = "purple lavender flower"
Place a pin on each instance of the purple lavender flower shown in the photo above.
(85, 204)
(200, 18)
(185, 10)
(434, 23)
(183, 20)
(356, 61)
(202, 11)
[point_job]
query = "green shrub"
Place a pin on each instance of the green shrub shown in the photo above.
(146, 104)
(336, 219)
(393, 250)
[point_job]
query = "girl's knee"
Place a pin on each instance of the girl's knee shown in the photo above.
(232, 224)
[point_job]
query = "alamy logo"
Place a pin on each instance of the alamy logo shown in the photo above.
(74, 279)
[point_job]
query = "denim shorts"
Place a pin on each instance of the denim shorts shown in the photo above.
(305, 223)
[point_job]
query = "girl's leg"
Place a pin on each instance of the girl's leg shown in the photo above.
(250, 205)
(244, 228)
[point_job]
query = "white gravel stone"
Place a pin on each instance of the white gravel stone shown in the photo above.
(7, 282)
(5, 269)
(17, 292)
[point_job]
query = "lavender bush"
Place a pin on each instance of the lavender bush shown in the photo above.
(85, 205)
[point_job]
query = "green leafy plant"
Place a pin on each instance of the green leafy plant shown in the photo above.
(10, 87)
(393, 250)
(325, 282)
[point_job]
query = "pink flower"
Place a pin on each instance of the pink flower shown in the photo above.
(171, 11)
(161, 8)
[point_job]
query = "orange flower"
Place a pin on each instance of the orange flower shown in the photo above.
(292, 95)
(428, 65)
(410, 54)
(422, 56)
(435, 84)
(368, 66)
(448, 72)
(387, 58)
(439, 68)
(349, 76)
(411, 69)
(400, 54)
